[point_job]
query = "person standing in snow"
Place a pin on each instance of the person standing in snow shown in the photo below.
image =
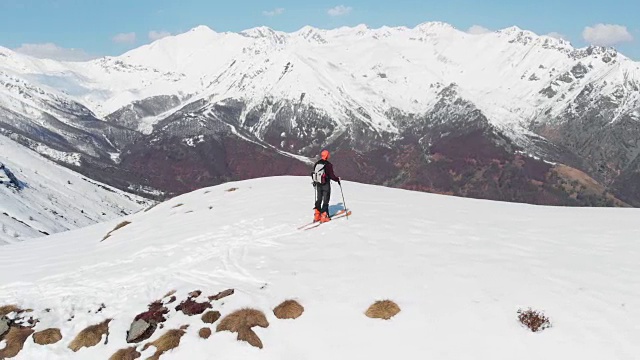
(322, 175)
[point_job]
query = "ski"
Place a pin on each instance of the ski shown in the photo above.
(339, 214)
(331, 216)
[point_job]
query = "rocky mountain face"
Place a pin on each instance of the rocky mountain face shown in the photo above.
(507, 115)
(39, 197)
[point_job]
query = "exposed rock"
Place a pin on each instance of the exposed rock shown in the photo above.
(136, 330)
(4, 325)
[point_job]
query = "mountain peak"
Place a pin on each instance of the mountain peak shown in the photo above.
(431, 26)
(202, 29)
(510, 30)
(259, 31)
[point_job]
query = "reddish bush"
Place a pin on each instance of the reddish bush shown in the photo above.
(534, 320)
(155, 314)
(190, 307)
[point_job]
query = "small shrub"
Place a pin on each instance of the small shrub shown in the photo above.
(385, 309)
(204, 333)
(190, 307)
(47, 337)
(534, 320)
(168, 341)
(195, 293)
(118, 227)
(172, 292)
(210, 317)
(155, 313)
(126, 354)
(289, 309)
(102, 307)
(15, 339)
(91, 336)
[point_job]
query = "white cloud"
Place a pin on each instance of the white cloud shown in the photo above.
(156, 35)
(274, 12)
(557, 35)
(339, 10)
(125, 38)
(606, 34)
(477, 29)
(53, 51)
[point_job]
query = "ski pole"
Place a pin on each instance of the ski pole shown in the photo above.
(346, 209)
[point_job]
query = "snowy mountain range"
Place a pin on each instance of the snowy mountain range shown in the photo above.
(396, 105)
(458, 270)
(39, 197)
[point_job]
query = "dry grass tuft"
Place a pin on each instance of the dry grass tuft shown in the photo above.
(184, 327)
(170, 293)
(177, 205)
(385, 309)
(289, 309)
(151, 207)
(126, 354)
(231, 189)
(221, 295)
(195, 293)
(118, 227)
(534, 320)
(15, 340)
(204, 333)
(47, 337)
(91, 336)
(210, 317)
(241, 322)
(248, 335)
(8, 309)
(243, 318)
(169, 340)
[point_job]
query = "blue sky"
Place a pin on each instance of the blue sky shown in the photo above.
(109, 27)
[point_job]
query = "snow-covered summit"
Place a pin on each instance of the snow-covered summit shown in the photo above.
(459, 270)
(493, 70)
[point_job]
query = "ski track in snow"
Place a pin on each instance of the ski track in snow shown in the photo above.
(458, 268)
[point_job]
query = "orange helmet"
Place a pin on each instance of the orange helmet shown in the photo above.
(324, 154)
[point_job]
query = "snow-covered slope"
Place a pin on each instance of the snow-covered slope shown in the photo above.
(51, 198)
(458, 268)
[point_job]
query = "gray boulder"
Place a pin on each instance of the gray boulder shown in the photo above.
(4, 325)
(137, 330)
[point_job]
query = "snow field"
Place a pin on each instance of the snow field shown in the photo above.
(459, 269)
